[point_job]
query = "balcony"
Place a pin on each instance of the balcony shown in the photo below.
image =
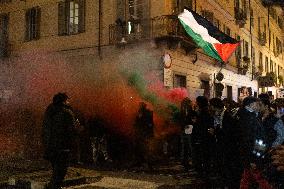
(168, 29)
(241, 17)
(243, 65)
(262, 38)
(128, 32)
(165, 29)
(257, 71)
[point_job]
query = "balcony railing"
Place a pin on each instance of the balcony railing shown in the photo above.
(130, 32)
(240, 16)
(243, 64)
(161, 28)
(167, 25)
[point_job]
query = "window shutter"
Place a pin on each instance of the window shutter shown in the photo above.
(82, 13)
(62, 18)
(38, 18)
(28, 25)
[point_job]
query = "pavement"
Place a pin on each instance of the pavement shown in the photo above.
(35, 174)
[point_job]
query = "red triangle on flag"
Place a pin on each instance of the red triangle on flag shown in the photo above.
(225, 50)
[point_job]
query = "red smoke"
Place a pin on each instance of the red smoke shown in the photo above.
(175, 95)
(95, 90)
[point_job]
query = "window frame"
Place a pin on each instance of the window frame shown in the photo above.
(180, 75)
(64, 17)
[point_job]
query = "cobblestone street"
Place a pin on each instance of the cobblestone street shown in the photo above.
(35, 174)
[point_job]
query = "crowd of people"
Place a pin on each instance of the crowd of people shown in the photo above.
(240, 144)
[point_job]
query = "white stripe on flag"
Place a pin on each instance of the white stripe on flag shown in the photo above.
(189, 20)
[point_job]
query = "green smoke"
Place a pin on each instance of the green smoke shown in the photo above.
(136, 81)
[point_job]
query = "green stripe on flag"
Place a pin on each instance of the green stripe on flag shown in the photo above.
(207, 47)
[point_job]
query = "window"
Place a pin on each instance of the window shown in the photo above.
(33, 23)
(258, 21)
(184, 3)
(246, 48)
(252, 18)
(269, 35)
(208, 15)
(271, 65)
(138, 20)
(278, 46)
(266, 64)
(227, 31)
(253, 56)
(206, 86)
(74, 17)
(237, 3)
(238, 52)
(3, 35)
(229, 92)
(216, 23)
(260, 62)
(179, 81)
(280, 22)
(71, 17)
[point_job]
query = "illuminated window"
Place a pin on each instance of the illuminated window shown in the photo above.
(71, 17)
(74, 17)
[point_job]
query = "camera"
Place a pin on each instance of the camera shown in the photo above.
(260, 149)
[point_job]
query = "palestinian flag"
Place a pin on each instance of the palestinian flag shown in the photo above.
(214, 42)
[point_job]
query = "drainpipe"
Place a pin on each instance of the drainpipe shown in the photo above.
(269, 36)
(100, 32)
(250, 26)
(268, 26)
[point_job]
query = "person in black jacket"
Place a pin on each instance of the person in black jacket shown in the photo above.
(59, 129)
(232, 163)
(188, 118)
(217, 111)
(143, 131)
(203, 138)
(251, 135)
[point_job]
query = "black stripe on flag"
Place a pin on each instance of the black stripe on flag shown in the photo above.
(212, 30)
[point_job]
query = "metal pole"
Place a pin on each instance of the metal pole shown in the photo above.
(250, 26)
(99, 36)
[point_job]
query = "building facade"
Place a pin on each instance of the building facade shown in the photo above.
(149, 34)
